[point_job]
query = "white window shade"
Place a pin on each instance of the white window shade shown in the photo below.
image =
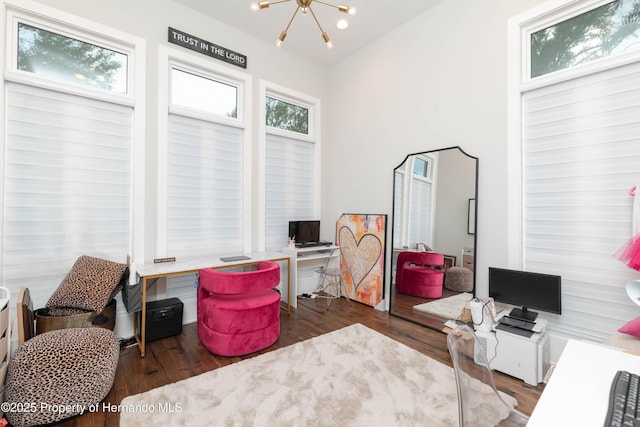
(67, 185)
(204, 187)
(581, 156)
(290, 186)
(398, 205)
(420, 212)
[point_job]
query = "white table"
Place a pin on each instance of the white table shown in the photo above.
(308, 259)
(150, 272)
(578, 392)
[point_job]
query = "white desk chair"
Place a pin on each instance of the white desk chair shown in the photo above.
(470, 367)
(330, 283)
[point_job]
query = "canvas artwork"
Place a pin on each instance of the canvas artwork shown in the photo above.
(362, 244)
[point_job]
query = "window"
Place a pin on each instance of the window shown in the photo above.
(290, 186)
(576, 137)
(421, 202)
(292, 162)
(64, 58)
(421, 167)
(415, 199)
(205, 182)
(68, 179)
(610, 29)
(399, 238)
(287, 116)
(203, 93)
(205, 173)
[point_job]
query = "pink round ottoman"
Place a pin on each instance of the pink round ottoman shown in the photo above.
(423, 282)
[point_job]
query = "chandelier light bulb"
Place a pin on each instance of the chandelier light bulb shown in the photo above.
(342, 24)
(255, 6)
(327, 40)
(346, 9)
(283, 35)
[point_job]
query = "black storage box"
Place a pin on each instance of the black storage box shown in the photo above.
(164, 318)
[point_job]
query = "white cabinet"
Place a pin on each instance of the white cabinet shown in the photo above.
(304, 262)
(526, 358)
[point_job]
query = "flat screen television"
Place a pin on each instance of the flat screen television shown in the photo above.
(304, 231)
(526, 289)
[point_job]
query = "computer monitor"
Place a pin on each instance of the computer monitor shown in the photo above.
(526, 289)
(304, 231)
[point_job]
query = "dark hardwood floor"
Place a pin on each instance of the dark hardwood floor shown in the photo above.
(176, 358)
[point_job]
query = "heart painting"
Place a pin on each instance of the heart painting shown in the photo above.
(362, 240)
(360, 256)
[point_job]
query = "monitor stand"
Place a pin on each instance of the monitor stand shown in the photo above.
(523, 314)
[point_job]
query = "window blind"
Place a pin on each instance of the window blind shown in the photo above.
(420, 221)
(204, 194)
(205, 182)
(398, 204)
(581, 155)
(289, 187)
(67, 185)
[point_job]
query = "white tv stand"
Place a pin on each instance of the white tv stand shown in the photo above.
(526, 358)
(304, 262)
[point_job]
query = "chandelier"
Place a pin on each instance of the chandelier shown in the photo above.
(304, 6)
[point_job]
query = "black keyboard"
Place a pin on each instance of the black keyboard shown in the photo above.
(312, 244)
(623, 401)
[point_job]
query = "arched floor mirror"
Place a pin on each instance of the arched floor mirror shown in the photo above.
(434, 209)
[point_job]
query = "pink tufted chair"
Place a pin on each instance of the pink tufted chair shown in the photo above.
(239, 312)
(420, 278)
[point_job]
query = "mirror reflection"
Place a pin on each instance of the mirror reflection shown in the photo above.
(433, 232)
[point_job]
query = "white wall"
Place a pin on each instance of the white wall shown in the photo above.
(438, 81)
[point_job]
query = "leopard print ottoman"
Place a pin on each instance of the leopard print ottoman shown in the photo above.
(59, 374)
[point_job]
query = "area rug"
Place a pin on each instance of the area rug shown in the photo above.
(447, 308)
(350, 377)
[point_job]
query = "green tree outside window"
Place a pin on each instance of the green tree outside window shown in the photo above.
(283, 115)
(604, 31)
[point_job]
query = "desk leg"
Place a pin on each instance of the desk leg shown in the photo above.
(288, 286)
(140, 335)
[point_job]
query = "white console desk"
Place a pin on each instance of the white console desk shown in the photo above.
(304, 262)
(150, 272)
(578, 392)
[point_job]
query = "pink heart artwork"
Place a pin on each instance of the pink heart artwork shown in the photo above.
(360, 256)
